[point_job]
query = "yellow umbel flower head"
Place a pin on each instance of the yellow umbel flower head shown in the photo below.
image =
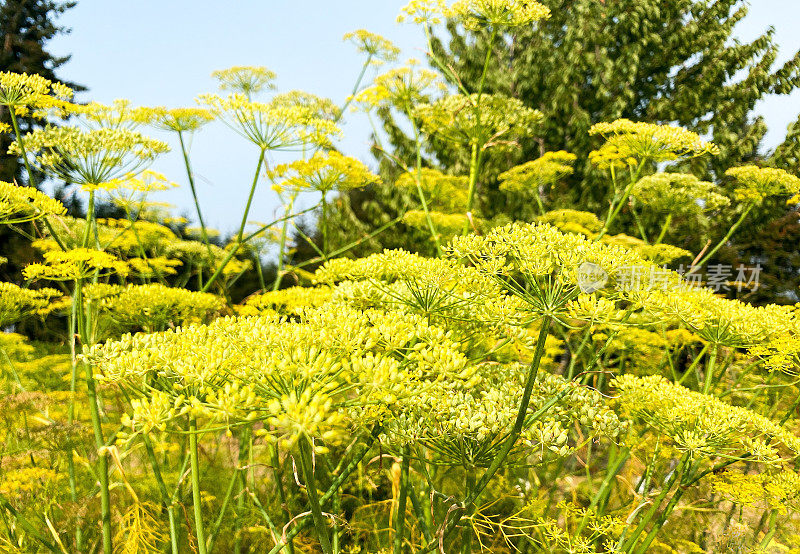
(531, 176)
(20, 204)
(325, 172)
(17, 303)
(272, 125)
(447, 193)
(374, 46)
(90, 158)
(476, 14)
(318, 106)
(119, 115)
(22, 92)
(145, 181)
(650, 142)
(486, 120)
(678, 192)
(179, 120)
(402, 87)
(423, 11)
(754, 183)
(78, 263)
(247, 80)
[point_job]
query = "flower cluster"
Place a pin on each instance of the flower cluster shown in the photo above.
(185, 120)
(637, 142)
(477, 14)
(402, 87)
(375, 46)
(755, 183)
(532, 176)
(78, 263)
(17, 303)
(21, 92)
(19, 204)
(324, 172)
(677, 193)
(247, 80)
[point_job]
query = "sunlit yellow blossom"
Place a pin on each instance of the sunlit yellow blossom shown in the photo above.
(486, 120)
(319, 106)
(145, 181)
(289, 301)
(77, 263)
(651, 142)
(423, 11)
(20, 91)
(19, 204)
(447, 193)
(755, 183)
(181, 119)
(476, 14)
(90, 158)
(120, 115)
(324, 172)
(373, 45)
(402, 87)
(247, 80)
(678, 192)
(532, 176)
(273, 125)
(17, 303)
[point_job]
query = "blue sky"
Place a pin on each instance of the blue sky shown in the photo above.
(162, 52)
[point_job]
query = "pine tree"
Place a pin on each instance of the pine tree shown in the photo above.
(26, 26)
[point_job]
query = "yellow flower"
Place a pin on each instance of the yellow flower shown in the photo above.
(325, 172)
(20, 91)
(17, 303)
(119, 115)
(532, 176)
(402, 87)
(90, 158)
(756, 183)
(77, 263)
(247, 80)
(476, 14)
(181, 119)
(20, 204)
(447, 193)
(273, 125)
(145, 181)
(373, 45)
(423, 11)
(650, 142)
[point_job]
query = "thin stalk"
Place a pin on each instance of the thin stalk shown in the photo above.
(466, 534)
(727, 236)
(613, 469)
(664, 229)
(663, 517)
(190, 176)
(712, 359)
(165, 498)
(418, 183)
(618, 202)
(250, 196)
(282, 246)
(196, 500)
(400, 516)
(244, 452)
(307, 465)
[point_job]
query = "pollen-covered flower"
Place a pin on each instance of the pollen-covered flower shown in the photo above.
(119, 115)
(318, 106)
(532, 176)
(272, 125)
(185, 120)
(373, 45)
(78, 263)
(145, 181)
(486, 120)
(651, 142)
(90, 158)
(22, 92)
(19, 204)
(678, 193)
(402, 87)
(289, 301)
(754, 183)
(247, 80)
(17, 303)
(423, 11)
(476, 14)
(447, 193)
(324, 172)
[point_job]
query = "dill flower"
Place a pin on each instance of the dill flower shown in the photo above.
(144, 181)
(447, 224)
(651, 142)
(423, 11)
(319, 106)
(447, 193)
(704, 425)
(273, 125)
(373, 45)
(755, 183)
(21, 92)
(148, 268)
(678, 192)
(324, 172)
(573, 221)
(476, 14)
(90, 158)
(486, 120)
(119, 115)
(775, 490)
(247, 80)
(289, 301)
(17, 303)
(20, 204)
(78, 263)
(401, 87)
(180, 120)
(534, 175)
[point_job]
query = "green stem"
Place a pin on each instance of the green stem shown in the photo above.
(727, 236)
(418, 183)
(165, 498)
(712, 359)
(282, 246)
(250, 197)
(306, 462)
(244, 452)
(196, 499)
(400, 516)
(466, 534)
(664, 229)
(618, 202)
(190, 176)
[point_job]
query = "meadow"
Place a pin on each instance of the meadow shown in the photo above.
(542, 385)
